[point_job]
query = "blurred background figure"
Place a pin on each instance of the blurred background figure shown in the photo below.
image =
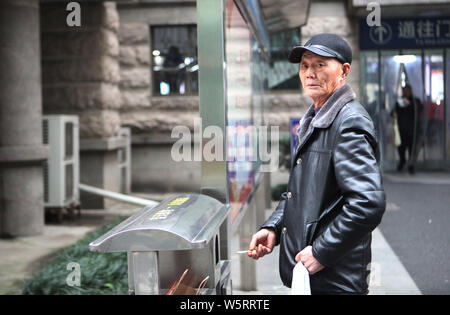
(409, 113)
(173, 61)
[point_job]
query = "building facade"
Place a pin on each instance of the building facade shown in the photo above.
(134, 64)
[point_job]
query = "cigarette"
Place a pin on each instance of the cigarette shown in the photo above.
(244, 252)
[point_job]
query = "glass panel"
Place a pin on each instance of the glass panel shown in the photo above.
(412, 61)
(369, 86)
(239, 99)
(434, 105)
(258, 65)
(401, 103)
(389, 82)
(175, 63)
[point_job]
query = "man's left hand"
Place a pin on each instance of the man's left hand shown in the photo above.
(308, 260)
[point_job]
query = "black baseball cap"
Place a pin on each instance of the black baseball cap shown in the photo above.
(325, 45)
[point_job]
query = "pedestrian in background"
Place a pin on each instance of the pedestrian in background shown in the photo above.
(409, 113)
(335, 196)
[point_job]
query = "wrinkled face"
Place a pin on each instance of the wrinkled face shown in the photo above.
(321, 76)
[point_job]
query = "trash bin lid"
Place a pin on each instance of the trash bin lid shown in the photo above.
(181, 222)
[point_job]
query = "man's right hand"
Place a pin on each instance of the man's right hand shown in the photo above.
(262, 243)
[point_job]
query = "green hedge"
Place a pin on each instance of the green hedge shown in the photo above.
(101, 273)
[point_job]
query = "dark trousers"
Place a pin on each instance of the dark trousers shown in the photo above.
(407, 144)
(404, 145)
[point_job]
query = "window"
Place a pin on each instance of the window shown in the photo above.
(175, 63)
(283, 75)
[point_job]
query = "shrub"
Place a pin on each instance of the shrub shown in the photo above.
(101, 273)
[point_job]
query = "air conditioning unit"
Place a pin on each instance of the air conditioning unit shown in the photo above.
(62, 169)
(124, 158)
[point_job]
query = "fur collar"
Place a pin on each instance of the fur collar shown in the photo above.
(325, 116)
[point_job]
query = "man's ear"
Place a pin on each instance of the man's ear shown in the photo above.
(345, 70)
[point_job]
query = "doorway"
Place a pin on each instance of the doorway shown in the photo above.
(384, 76)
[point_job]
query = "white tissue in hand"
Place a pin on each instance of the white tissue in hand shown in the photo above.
(300, 280)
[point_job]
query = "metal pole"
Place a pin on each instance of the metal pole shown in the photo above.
(117, 196)
(212, 92)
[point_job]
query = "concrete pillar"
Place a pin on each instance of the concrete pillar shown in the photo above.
(21, 149)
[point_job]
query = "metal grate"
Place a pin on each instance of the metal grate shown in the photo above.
(45, 131)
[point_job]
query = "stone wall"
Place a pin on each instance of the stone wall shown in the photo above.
(80, 76)
(152, 118)
(140, 110)
(80, 66)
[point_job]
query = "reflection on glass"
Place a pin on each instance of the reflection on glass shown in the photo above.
(175, 67)
(240, 131)
(434, 105)
(389, 83)
(369, 87)
(426, 124)
(281, 74)
(258, 66)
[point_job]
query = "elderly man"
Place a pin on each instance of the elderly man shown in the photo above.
(335, 196)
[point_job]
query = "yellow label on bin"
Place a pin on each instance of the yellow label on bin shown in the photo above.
(178, 201)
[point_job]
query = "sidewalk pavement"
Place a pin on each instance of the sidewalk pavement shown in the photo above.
(20, 257)
(430, 178)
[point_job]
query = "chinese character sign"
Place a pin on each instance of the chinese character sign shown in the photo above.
(406, 33)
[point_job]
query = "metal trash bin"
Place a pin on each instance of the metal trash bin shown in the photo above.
(182, 232)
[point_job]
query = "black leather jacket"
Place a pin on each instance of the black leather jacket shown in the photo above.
(335, 199)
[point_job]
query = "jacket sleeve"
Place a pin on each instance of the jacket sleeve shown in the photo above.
(355, 161)
(275, 220)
